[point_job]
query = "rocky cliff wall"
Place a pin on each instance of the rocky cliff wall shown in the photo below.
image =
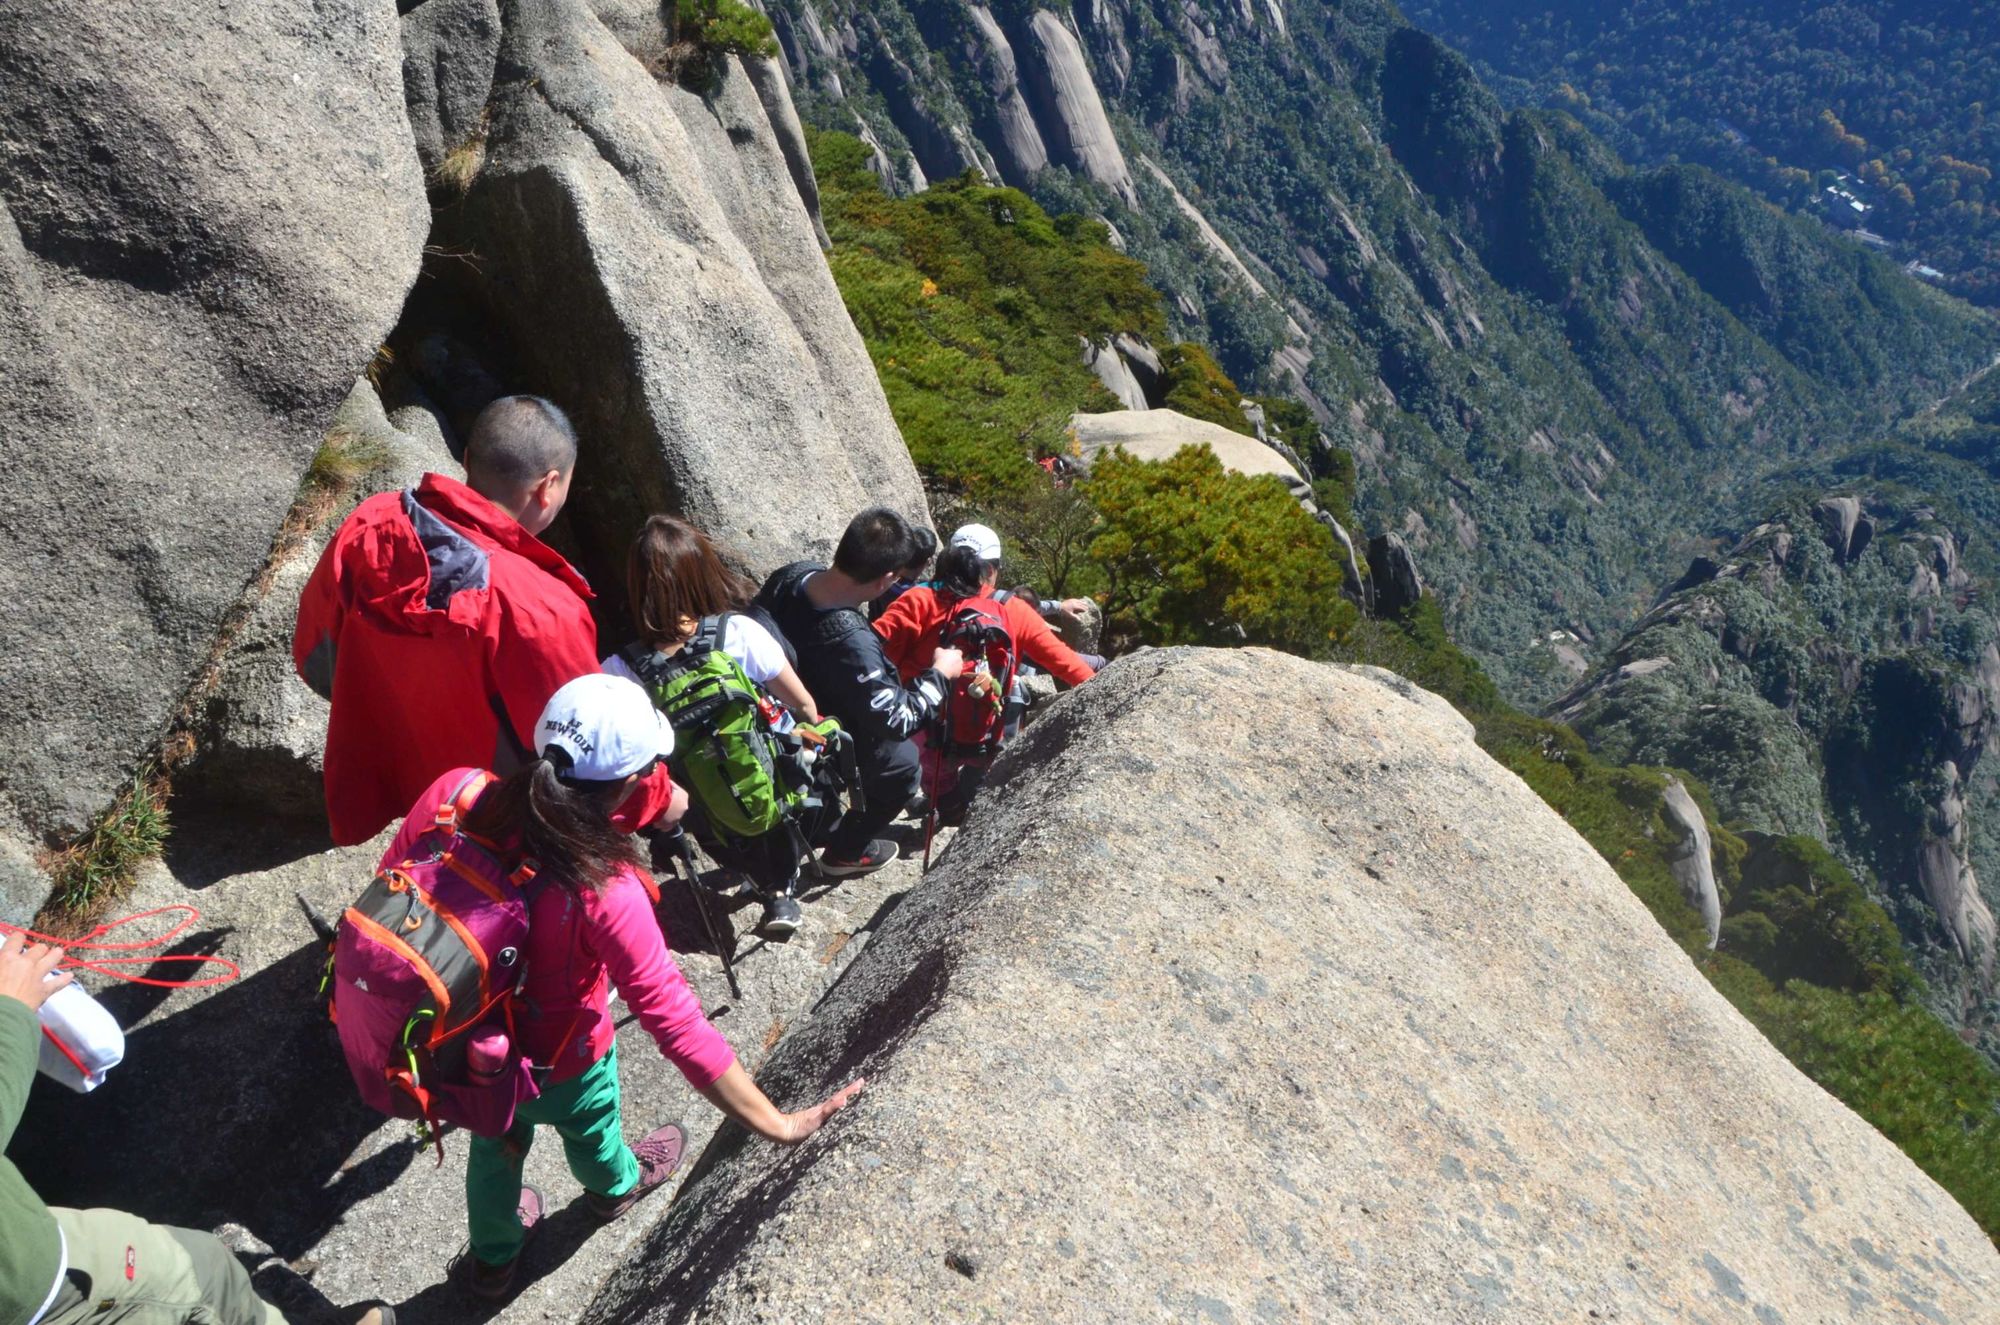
(211, 222)
(1253, 989)
(208, 221)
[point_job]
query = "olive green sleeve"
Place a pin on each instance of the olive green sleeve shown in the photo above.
(20, 1050)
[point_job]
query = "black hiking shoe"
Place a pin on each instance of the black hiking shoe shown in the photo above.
(781, 915)
(489, 1282)
(659, 1159)
(879, 853)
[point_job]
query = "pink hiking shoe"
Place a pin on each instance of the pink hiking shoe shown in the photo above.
(659, 1158)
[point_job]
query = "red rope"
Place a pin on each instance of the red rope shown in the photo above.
(112, 967)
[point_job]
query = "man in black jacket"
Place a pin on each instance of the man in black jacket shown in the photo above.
(840, 659)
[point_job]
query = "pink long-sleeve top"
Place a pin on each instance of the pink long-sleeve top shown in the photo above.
(578, 940)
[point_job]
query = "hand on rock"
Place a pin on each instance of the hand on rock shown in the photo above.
(25, 971)
(1077, 609)
(805, 1122)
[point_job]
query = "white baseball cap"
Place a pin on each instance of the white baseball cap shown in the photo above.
(607, 726)
(979, 538)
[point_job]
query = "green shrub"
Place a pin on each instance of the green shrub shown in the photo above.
(1193, 554)
(725, 25)
(1192, 383)
(100, 866)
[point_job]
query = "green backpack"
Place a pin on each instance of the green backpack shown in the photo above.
(746, 778)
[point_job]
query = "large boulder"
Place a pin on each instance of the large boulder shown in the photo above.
(1070, 112)
(1156, 434)
(209, 218)
(449, 47)
(705, 353)
(260, 731)
(1691, 860)
(1255, 990)
(1393, 572)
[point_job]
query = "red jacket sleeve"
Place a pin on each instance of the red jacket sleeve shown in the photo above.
(532, 649)
(1036, 641)
(903, 628)
(647, 802)
(317, 632)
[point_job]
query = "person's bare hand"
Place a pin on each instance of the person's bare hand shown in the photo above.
(805, 1122)
(1077, 609)
(948, 663)
(25, 968)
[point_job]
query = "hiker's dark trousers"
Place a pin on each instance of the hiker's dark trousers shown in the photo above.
(889, 781)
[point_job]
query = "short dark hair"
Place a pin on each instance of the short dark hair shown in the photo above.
(877, 542)
(926, 549)
(517, 439)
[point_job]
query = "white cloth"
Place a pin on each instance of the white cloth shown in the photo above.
(754, 648)
(92, 1034)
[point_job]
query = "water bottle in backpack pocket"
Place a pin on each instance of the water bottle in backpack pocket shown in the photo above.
(426, 966)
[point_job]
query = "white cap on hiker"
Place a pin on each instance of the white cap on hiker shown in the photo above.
(980, 539)
(607, 726)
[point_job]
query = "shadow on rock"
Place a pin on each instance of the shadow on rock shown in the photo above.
(236, 1109)
(213, 841)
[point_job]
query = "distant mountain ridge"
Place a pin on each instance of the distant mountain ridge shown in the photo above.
(1890, 93)
(1552, 371)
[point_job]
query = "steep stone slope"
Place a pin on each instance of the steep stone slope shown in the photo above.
(1834, 673)
(208, 221)
(1254, 990)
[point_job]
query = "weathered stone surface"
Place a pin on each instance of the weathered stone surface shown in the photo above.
(1112, 1076)
(233, 1107)
(706, 356)
(449, 47)
(1155, 434)
(1847, 528)
(1392, 568)
(1143, 361)
(261, 733)
(209, 217)
(1944, 871)
(1069, 110)
(1017, 142)
(1111, 369)
(1692, 859)
(774, 90)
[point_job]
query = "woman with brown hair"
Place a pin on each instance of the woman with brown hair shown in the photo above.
(674, 580)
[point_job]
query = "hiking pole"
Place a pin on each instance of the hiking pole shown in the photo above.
(940, 733)
(701, 909)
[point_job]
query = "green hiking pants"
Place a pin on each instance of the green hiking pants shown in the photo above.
(123, 1269)
(584, 1112)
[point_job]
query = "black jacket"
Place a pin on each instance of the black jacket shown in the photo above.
(840, 659)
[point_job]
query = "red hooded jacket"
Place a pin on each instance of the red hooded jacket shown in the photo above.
(438, 627)
(911, 627)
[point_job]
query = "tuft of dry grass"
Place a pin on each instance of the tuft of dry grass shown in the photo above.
(99, 867)
(462, 164)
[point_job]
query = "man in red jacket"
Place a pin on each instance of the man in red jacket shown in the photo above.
(438, 624)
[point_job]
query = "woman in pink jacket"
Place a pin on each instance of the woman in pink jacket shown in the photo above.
(590, 924)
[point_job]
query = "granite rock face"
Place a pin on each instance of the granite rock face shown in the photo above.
(705, 354)
(261, 731)
(1392, 569)
(1693, 860)
(1112, 1077)
(1155, 434)
(209, 218)
(449, 47)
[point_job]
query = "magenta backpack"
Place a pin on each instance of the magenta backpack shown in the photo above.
(426, 964)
